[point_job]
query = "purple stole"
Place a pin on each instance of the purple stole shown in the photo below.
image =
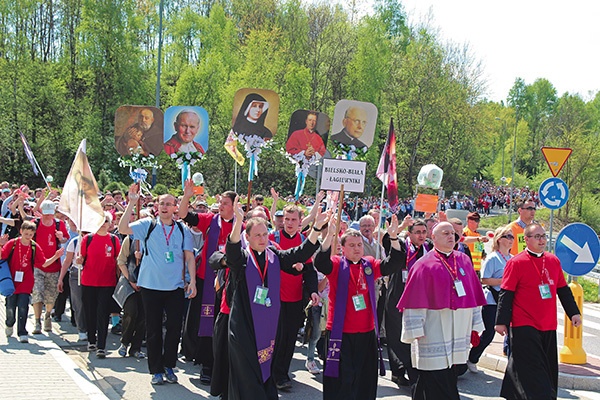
(332, 364)
(207, 310)
(409, 253)
(265, 319)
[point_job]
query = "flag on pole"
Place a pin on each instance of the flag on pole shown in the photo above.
(29, 154)
(231, 145)
(79, 199)
(386, 170)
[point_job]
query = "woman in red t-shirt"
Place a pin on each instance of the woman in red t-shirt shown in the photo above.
(98, 280)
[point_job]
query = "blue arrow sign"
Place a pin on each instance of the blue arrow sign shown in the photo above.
(578, 249)
(554, 193)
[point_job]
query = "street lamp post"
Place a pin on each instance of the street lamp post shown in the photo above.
(502, 141)
(514, 161)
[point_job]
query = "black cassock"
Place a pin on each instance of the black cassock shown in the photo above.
(245, 376)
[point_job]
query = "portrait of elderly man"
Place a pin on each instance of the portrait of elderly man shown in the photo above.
(307, 139)
(251, 117)
(354, 122)
(144, 136)
(187, 125)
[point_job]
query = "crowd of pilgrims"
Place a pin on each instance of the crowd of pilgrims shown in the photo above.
(232, 286)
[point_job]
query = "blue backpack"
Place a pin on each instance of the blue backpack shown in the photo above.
(7, 287)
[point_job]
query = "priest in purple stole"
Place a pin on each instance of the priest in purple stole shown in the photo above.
(254, 317)
(353, 349)
(441, 307)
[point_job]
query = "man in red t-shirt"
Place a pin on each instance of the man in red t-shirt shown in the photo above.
(532, 280)
(291, 315)
(50, 234)
(197, 345)
(21, 254)
(352, 341)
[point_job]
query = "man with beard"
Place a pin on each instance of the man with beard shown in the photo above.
(144, 133)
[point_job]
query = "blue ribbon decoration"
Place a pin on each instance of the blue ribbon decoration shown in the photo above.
(253, 168)
(185, 173)
(300, 185)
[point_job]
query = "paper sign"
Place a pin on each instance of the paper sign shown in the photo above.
(349, 173)
(426, 203)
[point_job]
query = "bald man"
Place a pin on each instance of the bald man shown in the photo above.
(441, 303)
(354, 122)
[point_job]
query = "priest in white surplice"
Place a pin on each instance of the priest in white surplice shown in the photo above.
(441, 307)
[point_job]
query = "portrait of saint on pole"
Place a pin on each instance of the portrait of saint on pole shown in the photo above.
(354, 125)
(308, 133)
(186, 130)
(255, 113)
(138, 130)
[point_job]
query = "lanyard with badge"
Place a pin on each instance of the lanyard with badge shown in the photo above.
(458, 285)
(358, 299)
(23, 262)
(261, 292)
(543, 287)
(169, 257)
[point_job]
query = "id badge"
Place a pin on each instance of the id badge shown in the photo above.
(260, 295)
(169, 258)
(359, 302)
(404, 275)
(460, 289)
(545, 291)
(19, 276)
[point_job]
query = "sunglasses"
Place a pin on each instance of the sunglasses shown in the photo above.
(528, 208)
(509, 237)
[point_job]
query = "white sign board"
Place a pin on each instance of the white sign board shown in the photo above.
(349, 173)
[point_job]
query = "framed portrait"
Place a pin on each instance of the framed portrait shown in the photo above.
(308, 132)
(255, 113)
(138, 129)
(354, 123)
(186, 130)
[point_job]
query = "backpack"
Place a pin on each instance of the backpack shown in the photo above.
(89, 237)
(151, 228)
(57, 222)
(33, 245)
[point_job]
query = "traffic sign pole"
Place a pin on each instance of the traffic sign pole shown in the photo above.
(551, 248)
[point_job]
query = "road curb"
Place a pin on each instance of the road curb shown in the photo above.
(565, 381)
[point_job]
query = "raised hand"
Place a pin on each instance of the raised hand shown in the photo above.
(132, 193)
(393, 228)
(188, 188)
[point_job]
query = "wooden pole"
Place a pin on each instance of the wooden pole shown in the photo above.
(334, 245)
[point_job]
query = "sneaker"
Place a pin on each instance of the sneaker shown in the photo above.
(23, 339)
(48, 324)
(82, 336)
(138, 354)
(92, 347)
(472, 367)
(157, 379)
(170, 375)
(38, 327)
(311, 366)
(123, 350)
(101, 353)
(9, 331)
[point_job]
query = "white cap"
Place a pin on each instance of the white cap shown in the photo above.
(48, 207)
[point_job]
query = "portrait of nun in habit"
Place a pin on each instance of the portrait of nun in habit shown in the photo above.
(251, 117)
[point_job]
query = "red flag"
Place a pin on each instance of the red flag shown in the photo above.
(386, 171)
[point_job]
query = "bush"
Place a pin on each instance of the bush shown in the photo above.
(159, 189)
(115, 186)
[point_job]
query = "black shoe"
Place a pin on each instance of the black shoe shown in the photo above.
(284, 385)
(402, 381)
(205, 378)
(57, 318)
(117, 329)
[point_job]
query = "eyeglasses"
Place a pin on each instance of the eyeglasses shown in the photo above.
(539, 237)
(166, 204)
(509, 237)
(528, 208)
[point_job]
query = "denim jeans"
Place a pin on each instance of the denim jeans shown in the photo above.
(315, 316)
(21, 302)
